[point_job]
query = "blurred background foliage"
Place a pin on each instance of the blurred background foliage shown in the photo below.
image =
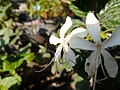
(25, 27)
(45, 9)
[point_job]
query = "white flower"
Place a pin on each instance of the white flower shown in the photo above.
(94, 60)
(63, 41)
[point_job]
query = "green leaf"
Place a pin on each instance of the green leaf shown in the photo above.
(60, 68)
(3, 9)
(77, 11)
(54, 68)
(16, 38)
(25, 48)
(6, 31)
(18, 78)
(6, 39)
(110, 15)
(12, 62)
(2, 15)
(0, 78)
(10, 65)
(64, 66)
(8, 23)
(29, 57)
(2, 32)
(76, 78)
(46, 55)
(77, 23)
(9, 32)
(7, 82)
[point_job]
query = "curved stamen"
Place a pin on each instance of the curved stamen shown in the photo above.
(98, 61)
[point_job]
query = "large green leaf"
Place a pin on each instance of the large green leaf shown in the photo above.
(12, 65)
(110, 15)
(77, 11)
(7, 82)
(12, 62)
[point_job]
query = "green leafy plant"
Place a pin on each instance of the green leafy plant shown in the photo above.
(10, 62)
(109, 15)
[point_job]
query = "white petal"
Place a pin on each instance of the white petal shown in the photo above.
(69, 55)
(54, 40)
(81, 44)
(58, 53)
(93, 27)
(92, 63)
(65, 27)
(110, 64)
(113, 40)
(78, 32)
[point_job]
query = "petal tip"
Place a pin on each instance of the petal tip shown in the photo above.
(91, 19)
(53, 40)
(65, 27)
(69, 20)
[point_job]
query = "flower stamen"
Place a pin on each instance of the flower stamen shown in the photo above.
(98, 46)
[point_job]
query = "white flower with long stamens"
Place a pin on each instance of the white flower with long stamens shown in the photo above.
(63, 41)
(94, 60)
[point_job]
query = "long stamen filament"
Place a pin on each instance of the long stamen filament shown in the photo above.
(94, 80)
(97, 59)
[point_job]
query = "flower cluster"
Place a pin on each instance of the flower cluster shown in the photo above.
(76, 40)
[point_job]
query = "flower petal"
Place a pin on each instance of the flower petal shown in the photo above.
(78, 32)
(81, 43)
(93, 27)
(58, 53)
(65, 27)
(113, 40)
(69, 55)
(110, 64)
(54, 40)
(92, 63)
